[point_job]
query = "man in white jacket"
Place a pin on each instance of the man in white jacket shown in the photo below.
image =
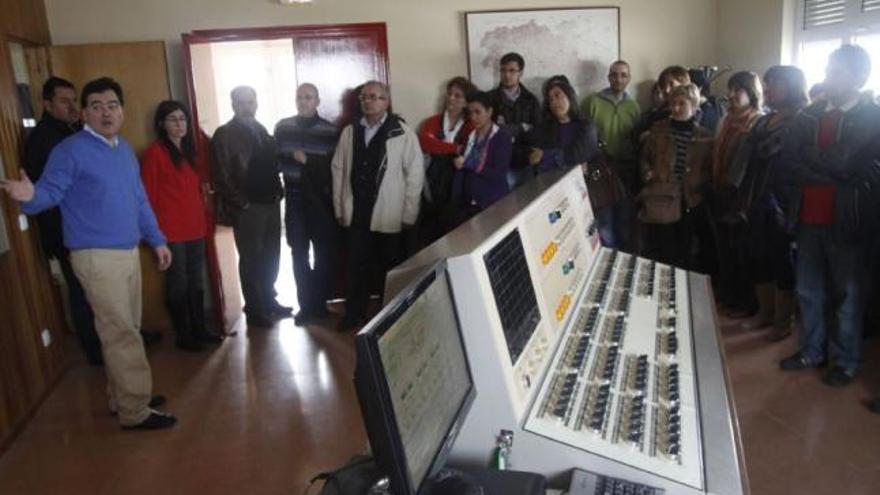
(378, 174)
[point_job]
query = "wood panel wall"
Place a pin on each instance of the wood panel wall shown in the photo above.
(29, 300)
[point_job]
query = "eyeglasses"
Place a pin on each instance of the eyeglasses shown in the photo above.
(174, 120)
(98, 106)
(372, 97)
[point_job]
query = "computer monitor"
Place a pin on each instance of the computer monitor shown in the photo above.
(414, 382)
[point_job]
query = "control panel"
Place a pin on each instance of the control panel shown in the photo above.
(621, 383)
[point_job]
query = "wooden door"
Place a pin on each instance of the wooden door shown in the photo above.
(336, 63)
(142, 70)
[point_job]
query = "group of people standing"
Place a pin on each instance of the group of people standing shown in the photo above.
(772, 197)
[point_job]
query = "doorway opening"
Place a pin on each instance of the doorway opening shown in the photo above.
(274, 61)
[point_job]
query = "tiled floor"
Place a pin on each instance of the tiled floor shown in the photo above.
(271, 408)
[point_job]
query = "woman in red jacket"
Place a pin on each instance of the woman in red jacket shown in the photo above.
(168, 171)
(442, 138)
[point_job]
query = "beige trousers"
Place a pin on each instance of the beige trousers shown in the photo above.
(111, 279)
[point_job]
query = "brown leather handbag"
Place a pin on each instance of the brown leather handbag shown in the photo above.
(660, 202)
(603, 184)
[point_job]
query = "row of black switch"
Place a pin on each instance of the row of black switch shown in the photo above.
(617, 331)
(636, 420)
(640, 378)
(592, 318)
(579, 353)
(647, 288)
(610, 363)
(566, 393)
(671, 341)
(600, 407)
(673, 413)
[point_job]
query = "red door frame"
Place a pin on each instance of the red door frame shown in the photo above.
(377, 29)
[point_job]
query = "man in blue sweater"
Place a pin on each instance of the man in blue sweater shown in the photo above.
(94, 177)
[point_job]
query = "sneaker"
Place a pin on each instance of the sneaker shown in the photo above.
(155, 421)
(797, 362)
(839, 376)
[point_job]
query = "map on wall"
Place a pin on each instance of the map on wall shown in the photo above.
(579, 43)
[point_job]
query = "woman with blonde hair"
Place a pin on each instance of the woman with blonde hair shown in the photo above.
(676, 164)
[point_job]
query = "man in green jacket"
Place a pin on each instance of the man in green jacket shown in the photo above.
(616, 115)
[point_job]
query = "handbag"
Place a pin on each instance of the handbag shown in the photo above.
(603, 184)
(660, 203)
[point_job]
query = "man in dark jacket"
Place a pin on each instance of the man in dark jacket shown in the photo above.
(828, 151)
(248, 192)
(305, 145)
(60, 119)
(518, 111)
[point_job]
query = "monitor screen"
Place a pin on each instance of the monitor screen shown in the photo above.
(413, 381)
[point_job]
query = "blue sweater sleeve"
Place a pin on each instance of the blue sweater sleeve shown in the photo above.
(146, 218)
(53, 184)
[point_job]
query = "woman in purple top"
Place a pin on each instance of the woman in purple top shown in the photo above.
(565, 138)
(481, 170)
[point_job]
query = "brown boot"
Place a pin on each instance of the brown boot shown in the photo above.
(783, 317)
(764, 294)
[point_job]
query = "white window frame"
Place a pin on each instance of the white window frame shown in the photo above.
(855, 23)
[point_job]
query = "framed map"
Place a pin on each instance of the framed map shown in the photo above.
(579, 42)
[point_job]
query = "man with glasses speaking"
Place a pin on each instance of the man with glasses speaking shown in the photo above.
(378, 174)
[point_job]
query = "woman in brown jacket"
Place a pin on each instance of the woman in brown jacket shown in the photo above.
(676, 167)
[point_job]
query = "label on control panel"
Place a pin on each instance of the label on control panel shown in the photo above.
(562, 309)
(549, 252)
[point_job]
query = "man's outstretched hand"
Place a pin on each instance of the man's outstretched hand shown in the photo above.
(19, 190)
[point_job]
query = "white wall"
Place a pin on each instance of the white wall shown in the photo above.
(754, 34)
(426, 37)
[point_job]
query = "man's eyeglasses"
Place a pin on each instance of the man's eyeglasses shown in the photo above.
(372, 97)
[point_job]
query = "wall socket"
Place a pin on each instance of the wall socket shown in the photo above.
(47, 337)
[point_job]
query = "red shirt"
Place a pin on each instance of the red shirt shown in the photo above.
(817, 204)
(174, 193)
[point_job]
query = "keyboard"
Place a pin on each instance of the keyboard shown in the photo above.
(588, 483)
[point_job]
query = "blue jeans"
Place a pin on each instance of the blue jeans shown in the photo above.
(831, 286)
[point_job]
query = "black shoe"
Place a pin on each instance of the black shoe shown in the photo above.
(279, 310)
(206, 337)
(155, 401)
(347, 325)
(150, 337)
(189, 345)
(260, 321)
(305, 317)
(155, 421)
(797, 362)
(838, 376)
(874, 406)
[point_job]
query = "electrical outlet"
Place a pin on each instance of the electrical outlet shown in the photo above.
(47, 337)
(22, 222)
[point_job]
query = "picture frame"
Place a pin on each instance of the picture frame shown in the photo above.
(579, 42)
